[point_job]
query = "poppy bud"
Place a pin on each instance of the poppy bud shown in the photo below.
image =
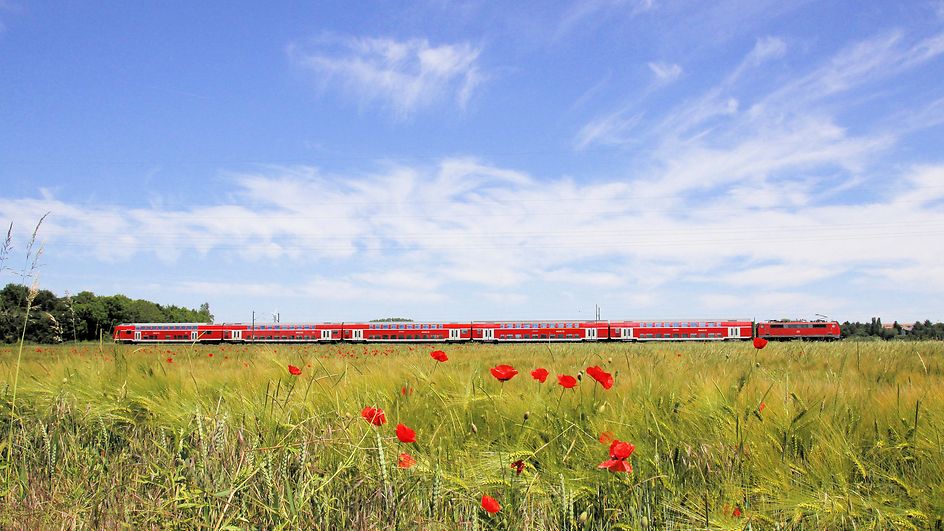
(609, 360)
(526, 415)
(583, 517)
(579, 376)
(601, 408)
(474, 428)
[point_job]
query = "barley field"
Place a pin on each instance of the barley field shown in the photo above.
(794, 436)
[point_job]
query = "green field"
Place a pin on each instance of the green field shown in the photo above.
(796, 436)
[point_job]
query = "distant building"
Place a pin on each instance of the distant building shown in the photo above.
(905, 327)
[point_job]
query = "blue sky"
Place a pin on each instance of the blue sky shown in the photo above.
(478, 160)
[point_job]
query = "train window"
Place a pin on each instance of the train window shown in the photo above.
(819, 326)
(543, 336)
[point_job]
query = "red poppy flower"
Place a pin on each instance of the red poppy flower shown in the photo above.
(439, 356)
(374, 415)
(621, 449)
(518, 466)
(566, 381)
(760, 408)
(539, 374)
(619, 453)
(607, 437)
(598, 374)
(736, 512)
(293, 370)
(210, 355)
(489, 504)
(406, 461)
(405, 434)
(759, 343)
(503, 373)
(170, 360)
(617, 465)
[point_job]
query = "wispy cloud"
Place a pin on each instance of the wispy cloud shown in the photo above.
(733, 133)
(666, 72)
(586, 10)
(403, 76)
(462, 228)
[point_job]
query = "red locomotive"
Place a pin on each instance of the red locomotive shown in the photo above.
(780, 330)
(478, 331)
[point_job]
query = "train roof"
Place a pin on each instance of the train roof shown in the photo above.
(163, 324)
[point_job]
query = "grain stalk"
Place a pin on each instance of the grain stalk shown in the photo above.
(32, 260)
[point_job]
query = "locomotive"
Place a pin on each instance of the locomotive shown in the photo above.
(477, 331)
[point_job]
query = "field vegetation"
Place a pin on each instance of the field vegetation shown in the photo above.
(794, 436)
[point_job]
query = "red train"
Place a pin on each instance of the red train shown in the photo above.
(484, 331)
(781, 330)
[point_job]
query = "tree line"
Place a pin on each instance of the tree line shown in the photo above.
(83, 316)
(874, 329)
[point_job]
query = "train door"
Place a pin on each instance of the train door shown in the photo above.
(591, 334)
(326, 335)
(137, 336)
(357, 335)
(454, 334)
(626, 333)
(488, 334)
(237, 335)
(734, 332)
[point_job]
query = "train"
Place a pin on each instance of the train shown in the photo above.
(702, 330)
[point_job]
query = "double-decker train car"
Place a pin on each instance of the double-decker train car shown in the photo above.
(813, 330)
(505, 331)
(407, 332)
(480, 331)
(158, 332)
(288, 332)
(686, 330)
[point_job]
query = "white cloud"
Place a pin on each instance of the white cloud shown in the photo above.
(465, 229)
(767, 48)
(585, 10)
(665, 72)
(403, 76)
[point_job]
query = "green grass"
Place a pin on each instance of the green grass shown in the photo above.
(850, 436)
